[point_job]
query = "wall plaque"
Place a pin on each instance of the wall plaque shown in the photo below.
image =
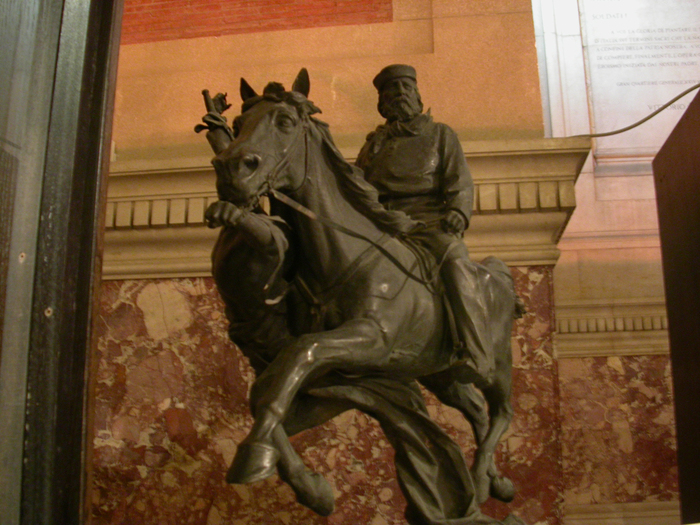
(640, 54)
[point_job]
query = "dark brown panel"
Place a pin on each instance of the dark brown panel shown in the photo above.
(677, 178)
(71, 156)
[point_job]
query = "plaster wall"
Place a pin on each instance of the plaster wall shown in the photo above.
(476, 62)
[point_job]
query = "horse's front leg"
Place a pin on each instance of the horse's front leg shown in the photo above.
(353, 345)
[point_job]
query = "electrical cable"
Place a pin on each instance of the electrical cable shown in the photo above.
(640, 122)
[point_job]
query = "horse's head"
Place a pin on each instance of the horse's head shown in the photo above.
(269, 146)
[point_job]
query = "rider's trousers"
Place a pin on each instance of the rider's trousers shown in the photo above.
(467, 300)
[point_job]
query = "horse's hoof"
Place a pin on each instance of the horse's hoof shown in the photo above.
(313, 491)
(512, 519)
(253, 462)
(502, 489)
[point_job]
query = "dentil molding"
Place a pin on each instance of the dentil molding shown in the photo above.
(524, 196)
(630, 327)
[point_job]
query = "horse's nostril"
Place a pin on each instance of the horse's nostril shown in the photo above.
(251, 161)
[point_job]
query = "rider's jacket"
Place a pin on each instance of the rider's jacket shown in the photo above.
(418, 167)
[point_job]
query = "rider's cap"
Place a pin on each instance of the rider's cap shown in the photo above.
(391, 72)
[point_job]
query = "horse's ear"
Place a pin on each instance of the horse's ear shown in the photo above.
(301, 83)
(247, 91)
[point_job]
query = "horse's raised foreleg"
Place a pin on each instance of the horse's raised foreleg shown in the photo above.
(355, 344)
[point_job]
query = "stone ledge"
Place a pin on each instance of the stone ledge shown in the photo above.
(611, 344)
(620, 328)
(151, 253)
(524, 196)
(646, 513)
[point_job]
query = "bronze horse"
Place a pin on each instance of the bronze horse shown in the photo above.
(361, 308)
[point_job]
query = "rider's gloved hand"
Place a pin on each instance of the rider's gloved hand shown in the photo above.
(453, 222)
(222, 213)
(214, 120)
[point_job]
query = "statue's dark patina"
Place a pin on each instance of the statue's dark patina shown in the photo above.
(337, 306)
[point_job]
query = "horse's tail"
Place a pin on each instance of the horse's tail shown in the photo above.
(499, 268)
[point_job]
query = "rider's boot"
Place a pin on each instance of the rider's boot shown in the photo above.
(468, 303)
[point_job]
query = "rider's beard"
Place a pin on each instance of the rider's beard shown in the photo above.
(401, 108)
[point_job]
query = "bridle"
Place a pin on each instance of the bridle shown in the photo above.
(268, 186)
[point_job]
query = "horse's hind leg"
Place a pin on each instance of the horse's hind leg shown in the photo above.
(465, 398)
(356, 343)
(488, 424)
(310, 488)
(462, 396)
(484, 469)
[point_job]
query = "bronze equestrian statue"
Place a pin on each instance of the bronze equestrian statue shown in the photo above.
(341, 306)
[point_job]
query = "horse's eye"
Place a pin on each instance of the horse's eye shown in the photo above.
(285, 122)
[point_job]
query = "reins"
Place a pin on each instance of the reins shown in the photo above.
(300, 208)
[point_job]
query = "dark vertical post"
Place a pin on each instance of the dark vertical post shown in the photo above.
(56, 133)
(677, 179)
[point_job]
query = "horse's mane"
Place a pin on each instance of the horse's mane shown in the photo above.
(361, 194)
(275, 92)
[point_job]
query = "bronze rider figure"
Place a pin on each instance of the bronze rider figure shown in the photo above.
(418, 167)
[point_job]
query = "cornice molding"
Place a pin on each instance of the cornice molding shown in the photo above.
(620, 328)
(524, 196)
(645, 513)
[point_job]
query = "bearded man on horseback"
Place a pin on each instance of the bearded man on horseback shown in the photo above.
(418, 167)
(334, 314)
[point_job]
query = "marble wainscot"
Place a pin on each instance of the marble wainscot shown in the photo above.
(171, 404)
(171, 391)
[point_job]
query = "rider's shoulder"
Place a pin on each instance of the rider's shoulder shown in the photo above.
(444, 129)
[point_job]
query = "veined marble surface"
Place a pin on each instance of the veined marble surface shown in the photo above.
(171, 404)
(618, 430)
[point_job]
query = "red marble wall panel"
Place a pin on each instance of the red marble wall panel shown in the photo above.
(618, 430)
(154, 20)
(171, 405)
